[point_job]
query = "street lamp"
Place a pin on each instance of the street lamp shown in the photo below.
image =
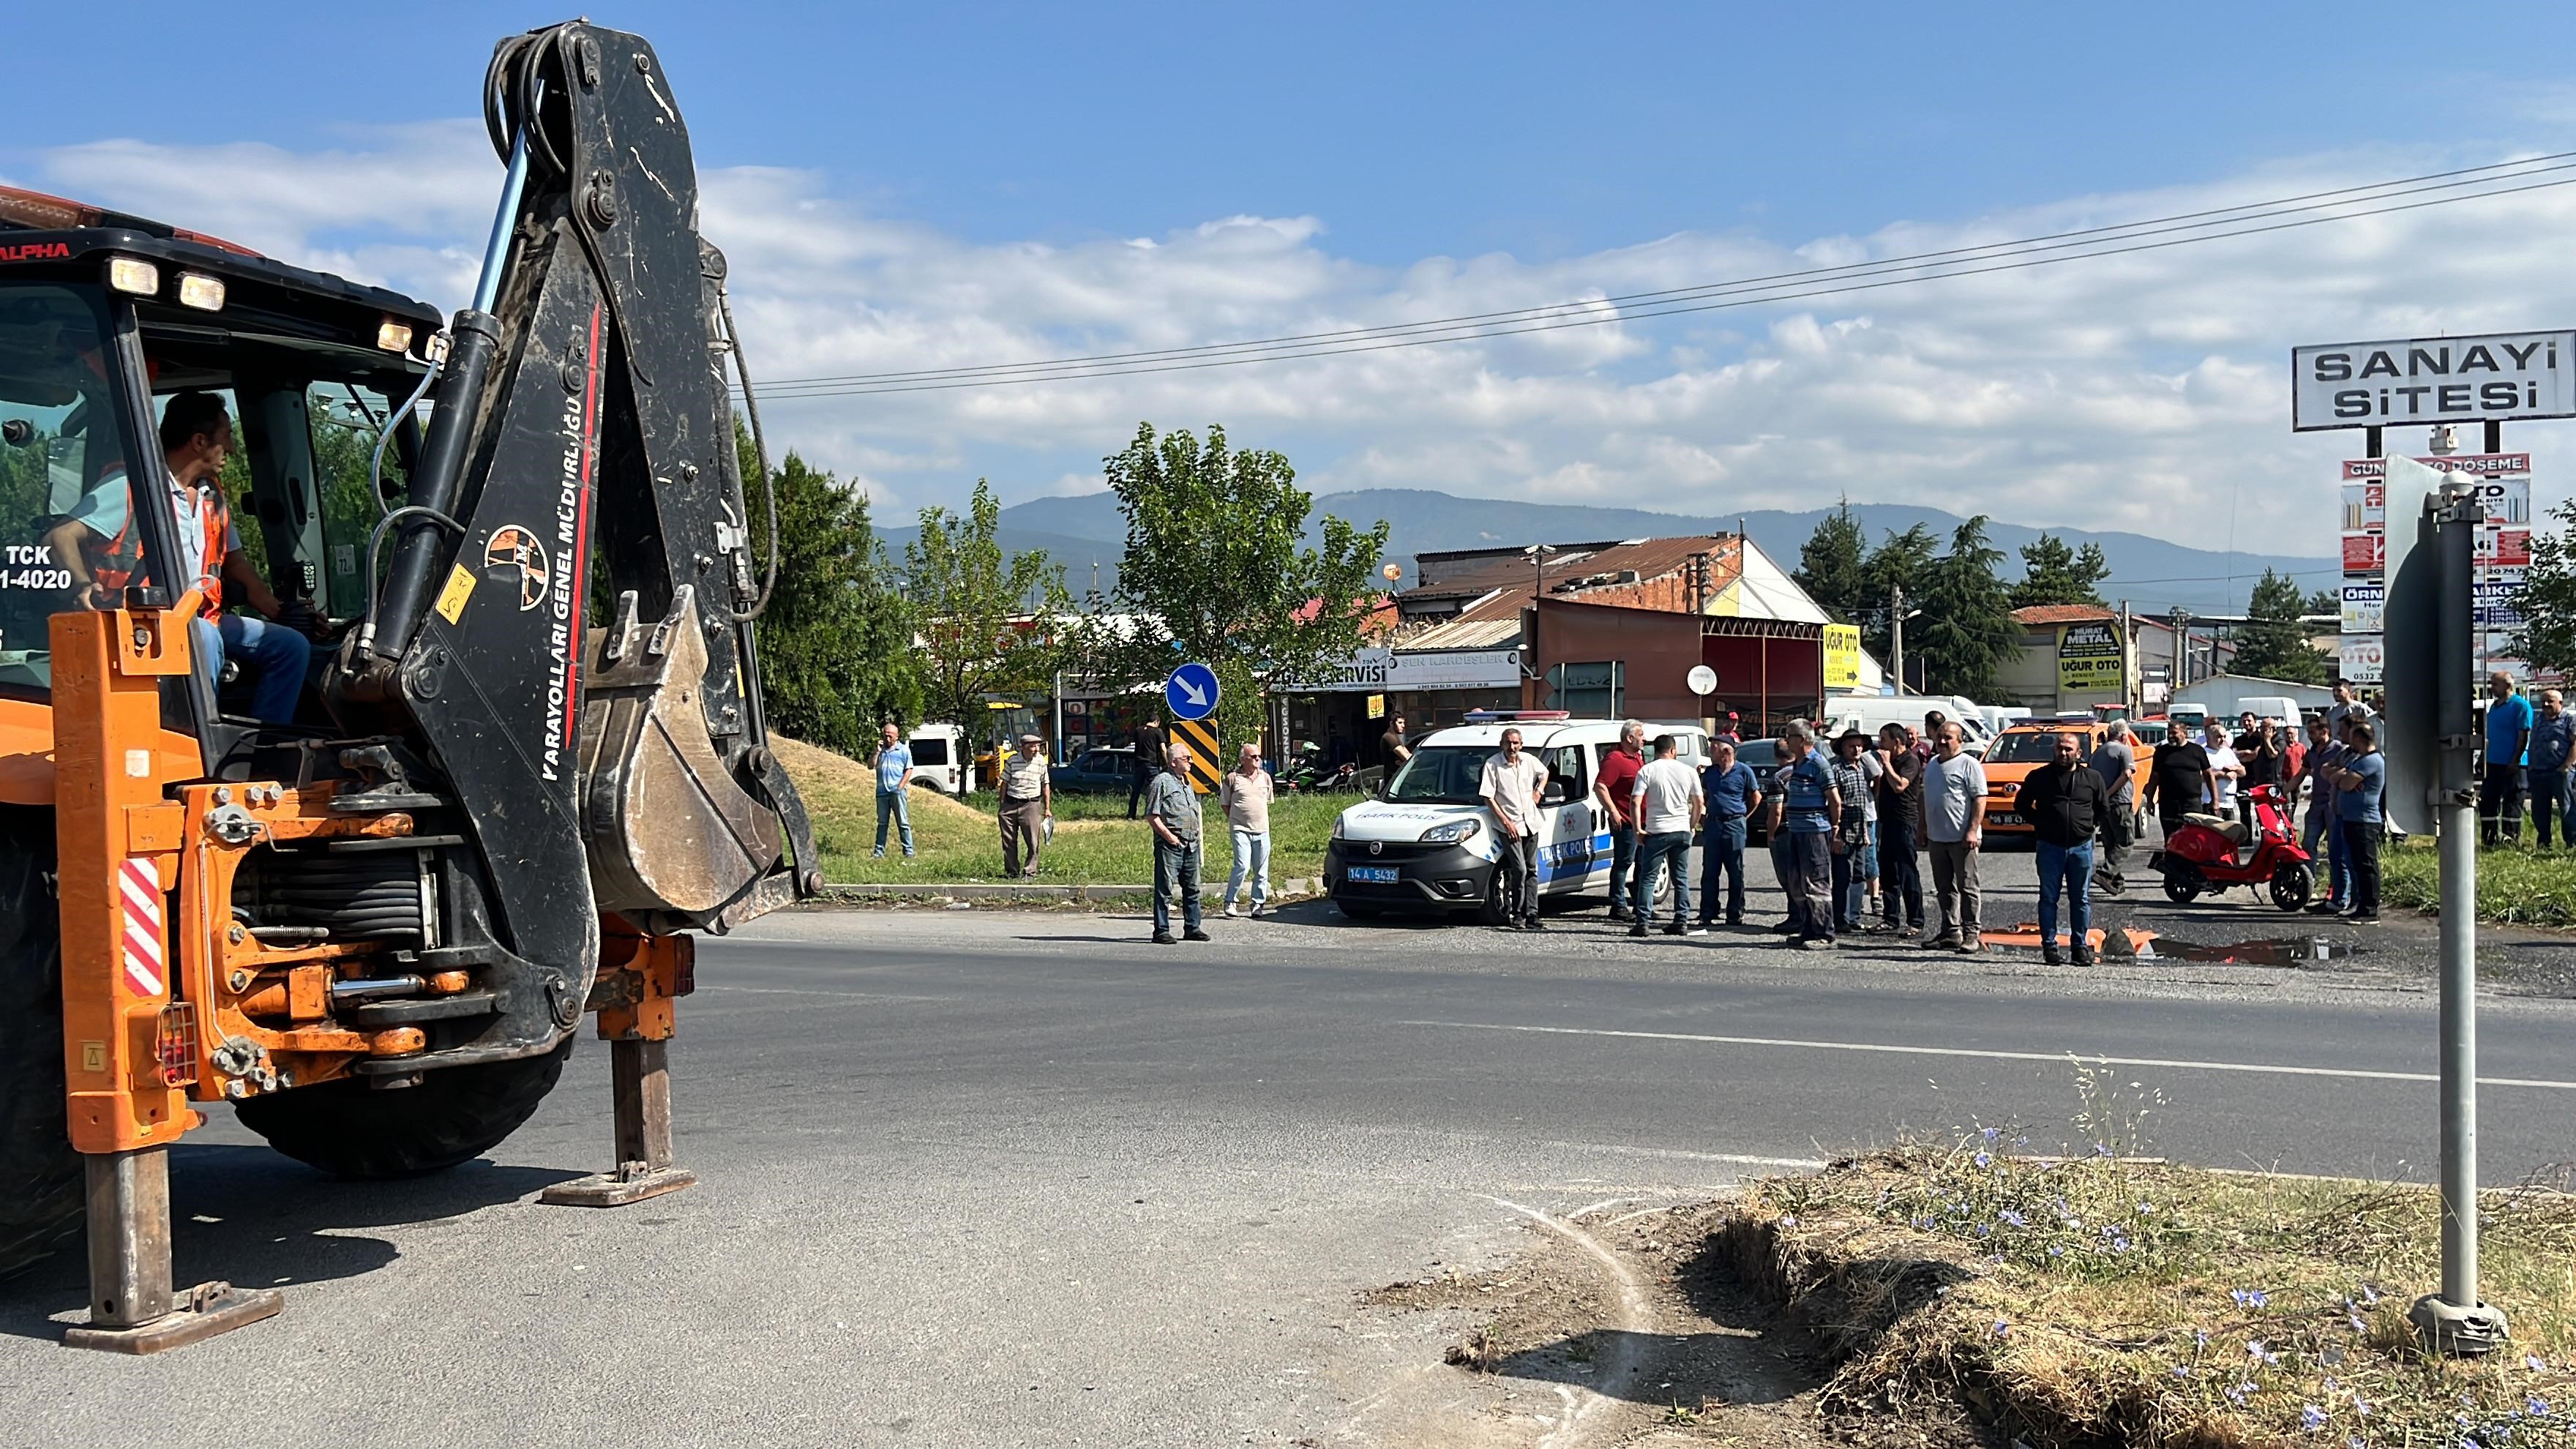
(1530, 655)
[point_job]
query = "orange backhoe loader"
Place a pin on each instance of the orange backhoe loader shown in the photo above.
(349, 825)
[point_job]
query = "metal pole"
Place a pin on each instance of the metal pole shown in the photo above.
(1896, 632)
(2128, 693)
(496, 251)
(2458, 1323)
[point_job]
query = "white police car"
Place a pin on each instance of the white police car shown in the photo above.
(1427, 842)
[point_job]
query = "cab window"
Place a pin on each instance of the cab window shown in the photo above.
(346, 421)
(66, 526)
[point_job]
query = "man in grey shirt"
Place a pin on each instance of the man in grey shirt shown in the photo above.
(1954, 816)
(2116, 761)
(2346, 707)
(1172, 809)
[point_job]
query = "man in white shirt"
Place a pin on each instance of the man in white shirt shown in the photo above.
(1669, 803)
(1512, 787)
(2225, 769)
(1027, 803)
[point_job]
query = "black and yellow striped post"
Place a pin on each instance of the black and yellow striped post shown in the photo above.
(1200, 736)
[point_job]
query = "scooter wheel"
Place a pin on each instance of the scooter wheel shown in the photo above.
(2181, 890)
(2292, 885)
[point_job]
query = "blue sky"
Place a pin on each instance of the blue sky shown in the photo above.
(1412, 130)
(930, 186)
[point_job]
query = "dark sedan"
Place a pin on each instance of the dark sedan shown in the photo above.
(1104, 771)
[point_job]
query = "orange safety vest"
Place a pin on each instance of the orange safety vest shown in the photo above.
(113, 561)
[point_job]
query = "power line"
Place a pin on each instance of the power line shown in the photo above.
(2208, 225)
(2307, 201)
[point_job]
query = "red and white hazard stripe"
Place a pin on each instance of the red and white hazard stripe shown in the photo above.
(138, 889)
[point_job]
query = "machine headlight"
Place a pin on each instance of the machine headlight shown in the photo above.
(1452, 833)
(133, 274)
(1338, 833)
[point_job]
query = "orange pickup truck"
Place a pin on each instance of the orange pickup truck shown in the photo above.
(2024, 748)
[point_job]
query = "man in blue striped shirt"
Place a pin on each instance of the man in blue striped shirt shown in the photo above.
(1805, 815)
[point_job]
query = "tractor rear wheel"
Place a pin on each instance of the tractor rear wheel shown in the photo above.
(41, 1195)
(456, 1114)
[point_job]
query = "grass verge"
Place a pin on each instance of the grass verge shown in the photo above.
(2517, 886)
(958, 841)
(2106, 1301)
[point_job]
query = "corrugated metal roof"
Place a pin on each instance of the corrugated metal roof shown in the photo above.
(1469, 633)
(1512, 583)
(2062, 614)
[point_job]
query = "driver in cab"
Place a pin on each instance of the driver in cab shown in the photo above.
(100, 546)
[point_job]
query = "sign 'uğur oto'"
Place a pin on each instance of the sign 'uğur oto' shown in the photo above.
(2487, 378)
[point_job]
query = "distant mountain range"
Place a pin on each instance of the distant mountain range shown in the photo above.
(2151, 573)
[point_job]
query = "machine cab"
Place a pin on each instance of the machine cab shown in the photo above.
(104, 321)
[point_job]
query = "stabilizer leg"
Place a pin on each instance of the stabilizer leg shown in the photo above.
(131, 1306)
(637, 1019)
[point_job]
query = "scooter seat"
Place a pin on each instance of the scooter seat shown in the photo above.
(2234, 830)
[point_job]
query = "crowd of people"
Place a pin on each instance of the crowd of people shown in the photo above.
(1852, 823)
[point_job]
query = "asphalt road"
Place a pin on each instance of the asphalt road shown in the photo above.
(1023, 1178)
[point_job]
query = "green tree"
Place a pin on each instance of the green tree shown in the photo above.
(2052, 573)
(2275, 644)
(1832, 571)
(2548, 634)
(836, 655)
(1967, 633)
(989, 622)
(1902, 561)
(1217, 569)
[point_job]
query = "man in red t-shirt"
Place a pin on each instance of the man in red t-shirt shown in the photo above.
(1613, 792)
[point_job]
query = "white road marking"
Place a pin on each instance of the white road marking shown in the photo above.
(2262, 1068)
(808, 991)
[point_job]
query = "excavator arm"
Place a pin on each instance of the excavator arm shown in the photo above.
(565, 626)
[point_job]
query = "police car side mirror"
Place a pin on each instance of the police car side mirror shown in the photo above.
(1555, 793)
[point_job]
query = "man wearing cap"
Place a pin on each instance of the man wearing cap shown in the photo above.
(1028, 803)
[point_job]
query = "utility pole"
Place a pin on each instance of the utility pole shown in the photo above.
(2181, 655)
(2129, 702)
(1896, 633)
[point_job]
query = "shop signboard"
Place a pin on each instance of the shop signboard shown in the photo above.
(2490, 377)
(2502, 549)
(2089, 662)
(1842, 657)
(1392, 671)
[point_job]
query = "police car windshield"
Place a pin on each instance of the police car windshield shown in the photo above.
(1443, 774)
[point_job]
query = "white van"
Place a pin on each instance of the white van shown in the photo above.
(1426, 842)
(940, 759)
(1868, 713)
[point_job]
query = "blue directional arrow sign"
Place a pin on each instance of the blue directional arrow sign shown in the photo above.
(1191, 691)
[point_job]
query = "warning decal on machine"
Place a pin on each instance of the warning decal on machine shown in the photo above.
(451, 600)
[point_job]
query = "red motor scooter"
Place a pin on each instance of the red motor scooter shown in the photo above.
(2207, 855)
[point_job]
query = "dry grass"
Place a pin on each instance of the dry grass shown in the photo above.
(2114, 1301)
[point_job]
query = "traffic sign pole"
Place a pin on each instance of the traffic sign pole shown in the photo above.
(2456, 1321)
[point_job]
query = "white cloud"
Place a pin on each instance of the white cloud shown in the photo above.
(2143, 391)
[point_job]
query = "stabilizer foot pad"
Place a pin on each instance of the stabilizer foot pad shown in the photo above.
(632, 1183)
(220, 1308)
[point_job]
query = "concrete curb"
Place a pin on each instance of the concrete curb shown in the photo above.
(1038, 892)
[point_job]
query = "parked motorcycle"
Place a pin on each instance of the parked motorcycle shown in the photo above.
(1314, 777)
(2207, 855)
